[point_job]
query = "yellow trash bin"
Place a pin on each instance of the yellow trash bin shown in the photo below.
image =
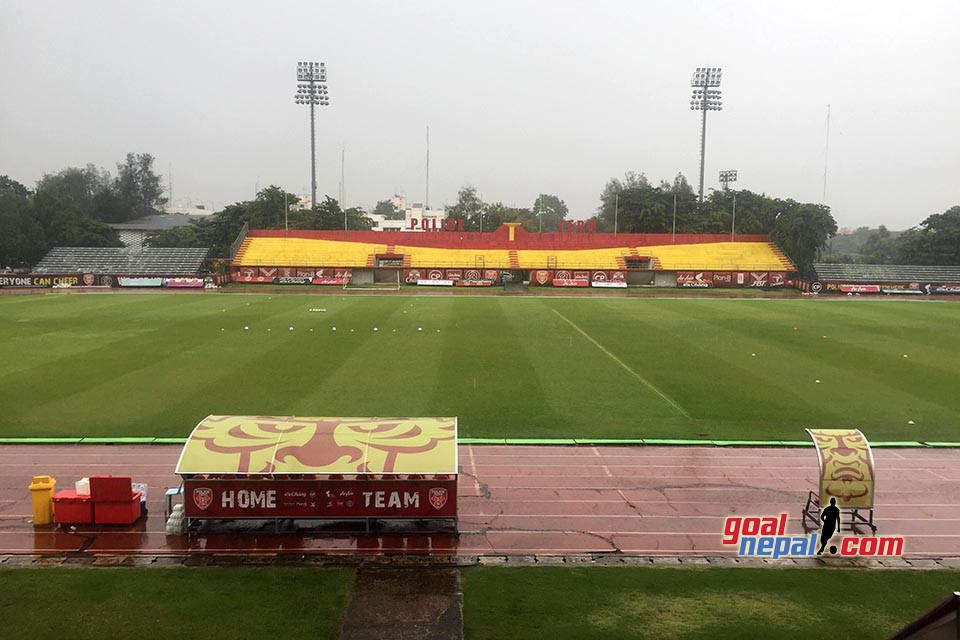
(41, 489)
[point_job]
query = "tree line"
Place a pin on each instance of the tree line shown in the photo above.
(935, 241)
(633, 205)
(72, 208)
(272, 208)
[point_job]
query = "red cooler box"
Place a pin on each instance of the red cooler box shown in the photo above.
(110, 488)
(70, 508)
(116, 512)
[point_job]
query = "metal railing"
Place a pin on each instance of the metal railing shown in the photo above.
(239, 241)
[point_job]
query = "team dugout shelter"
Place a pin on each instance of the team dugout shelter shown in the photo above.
(330, 468)
(847, 475)
(573, 256)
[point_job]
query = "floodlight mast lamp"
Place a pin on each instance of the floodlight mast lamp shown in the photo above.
(312, 91)
(726, 177)
(705, 97)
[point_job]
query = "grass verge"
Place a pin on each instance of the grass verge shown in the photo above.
(150, 603)
(627, 602)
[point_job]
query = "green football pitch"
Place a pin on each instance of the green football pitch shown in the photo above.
(499, 602)
(517, 367)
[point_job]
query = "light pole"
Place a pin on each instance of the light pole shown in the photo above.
(540, 211)
(705, 98)
(674, 217)
(726, 177)
(312, 91)
(616, 210)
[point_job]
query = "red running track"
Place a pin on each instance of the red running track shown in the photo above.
(519, 500)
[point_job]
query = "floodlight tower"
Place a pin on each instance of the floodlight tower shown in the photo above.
(726, 177)
(312, 91)
(706, 97)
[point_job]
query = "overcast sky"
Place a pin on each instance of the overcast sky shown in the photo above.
(520, 97)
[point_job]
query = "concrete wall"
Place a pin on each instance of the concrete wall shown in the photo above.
(665, 278)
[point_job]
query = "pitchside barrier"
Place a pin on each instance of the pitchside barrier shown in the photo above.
(289, 468)
(846, 473)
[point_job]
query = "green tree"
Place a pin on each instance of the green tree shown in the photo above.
(643, 209)
(495, 214)
(329, 216)
(547, 209)
(388, 210)
(22, 238)
(935, 242)
(633, 205)
(137, 186)
(880, 247)
(468, 207)
(802, 231)
(79, 187)
(187, 236)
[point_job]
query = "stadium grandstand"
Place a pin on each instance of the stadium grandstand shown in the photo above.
(123, 261)
(116, 267)
(886, 278)
(558, 259)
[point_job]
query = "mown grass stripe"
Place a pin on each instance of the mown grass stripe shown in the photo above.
(636, 375)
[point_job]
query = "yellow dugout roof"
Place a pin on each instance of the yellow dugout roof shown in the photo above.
(325, 445)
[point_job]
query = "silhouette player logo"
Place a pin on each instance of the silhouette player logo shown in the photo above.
(830, 517)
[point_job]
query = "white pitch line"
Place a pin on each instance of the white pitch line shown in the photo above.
(636, 375)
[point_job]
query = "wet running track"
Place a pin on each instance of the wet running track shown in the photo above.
(518, 500)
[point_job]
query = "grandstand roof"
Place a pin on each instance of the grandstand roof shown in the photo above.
(157, 222)
(326, 445)
(123, 261)
(879, 273)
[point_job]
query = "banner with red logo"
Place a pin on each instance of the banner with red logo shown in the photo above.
(454, 274)
(493, 275)
(268, 272)
(860, 288)
(722, 279)
(695, 279)
(472, 283)
(387, 498)
(541, 277)
(184, 283)
(599, 276)
(570, 282)
(777, 279)
(758, 279)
